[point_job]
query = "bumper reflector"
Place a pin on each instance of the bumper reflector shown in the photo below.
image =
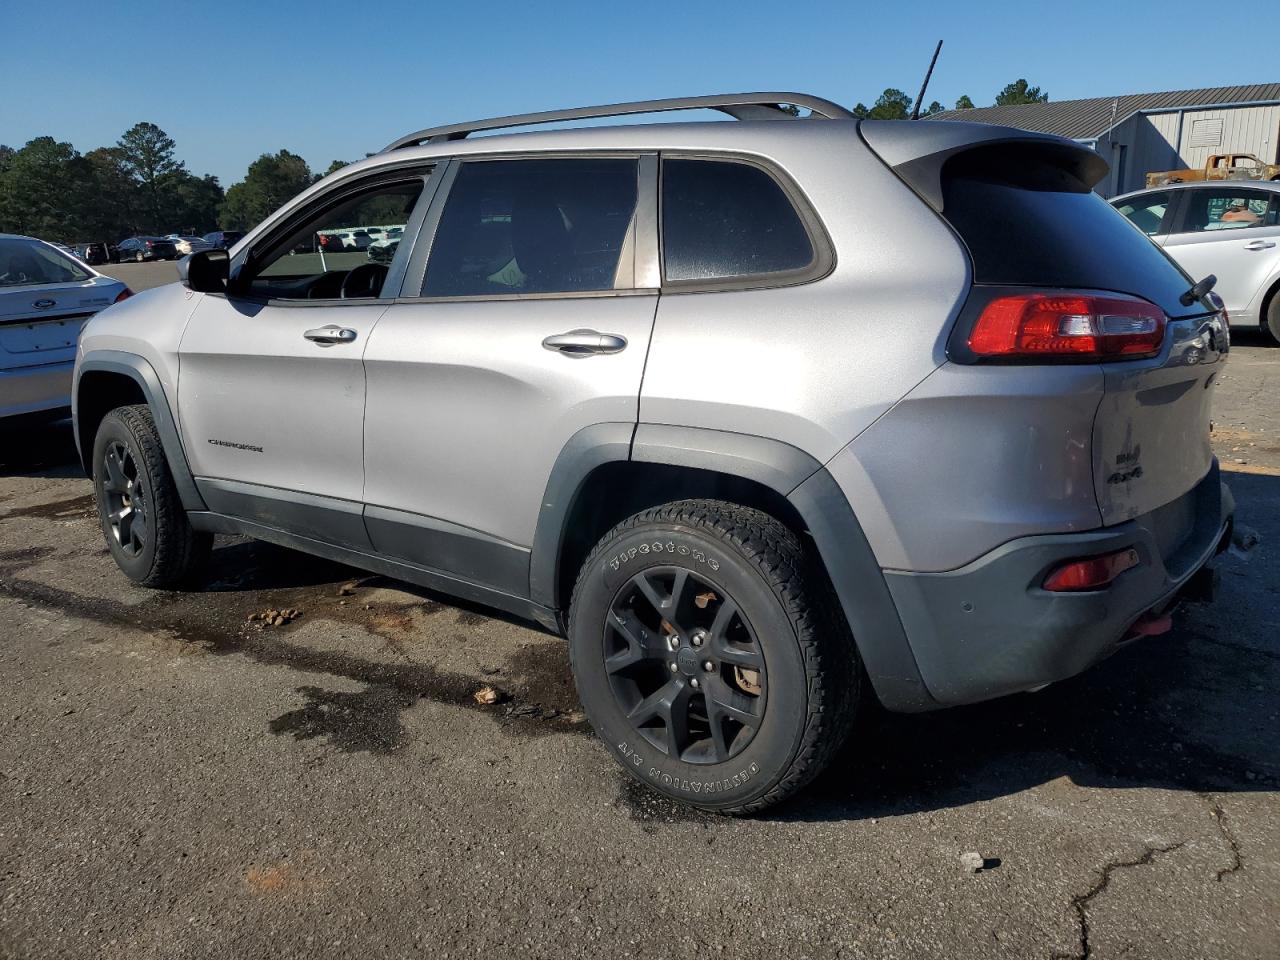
(1093, 573)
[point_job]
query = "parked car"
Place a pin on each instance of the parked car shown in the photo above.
(769, 418)
(93, 253)
(145, 248)
(186, 245)
(1219, 166)
(384, 250)
(223, 239)
(1230, 230)
(46, 296)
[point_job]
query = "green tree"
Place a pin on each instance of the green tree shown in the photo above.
(1019, 92)
(934, 107)
(147, 154)
(335, 166)
(272, 179)
(196, 201)
(117, 200)
(45, 187)
(893, 104)
(964, 103)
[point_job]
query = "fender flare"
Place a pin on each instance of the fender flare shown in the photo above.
(837, 535)
(140, 371)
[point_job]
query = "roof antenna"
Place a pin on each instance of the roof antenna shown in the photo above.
(915, 110)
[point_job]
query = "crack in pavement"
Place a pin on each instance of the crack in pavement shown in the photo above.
(1080, 903)
(1220, 817)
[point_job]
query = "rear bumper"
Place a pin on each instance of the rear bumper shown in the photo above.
(988, 629)
(35, 389)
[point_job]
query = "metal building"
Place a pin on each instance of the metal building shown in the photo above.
(1145, 132)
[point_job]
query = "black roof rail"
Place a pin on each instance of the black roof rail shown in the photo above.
(740, 106)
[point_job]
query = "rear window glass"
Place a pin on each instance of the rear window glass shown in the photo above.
(1029, 222)
(722, 220)
(26, 261)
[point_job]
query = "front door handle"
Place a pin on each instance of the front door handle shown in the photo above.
(585, 343)
(1260, 245)
(328, 336)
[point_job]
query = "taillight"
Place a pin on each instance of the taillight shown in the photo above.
(148, 244)
(1068, 326)
(124, 294)
(1092, 573)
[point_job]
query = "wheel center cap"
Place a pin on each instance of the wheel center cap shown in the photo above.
(687, 661)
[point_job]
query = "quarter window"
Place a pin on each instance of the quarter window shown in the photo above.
(1146, 212)
(722, 220)
(533, 226)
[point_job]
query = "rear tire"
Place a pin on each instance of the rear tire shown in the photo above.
(1271, 319)
(710, 656)
(143, 521)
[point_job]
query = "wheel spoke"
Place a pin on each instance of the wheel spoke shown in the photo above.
(657, 704)
(116, 481)
(724, 617)
(138, 530)
(724, 702)
(656, 600)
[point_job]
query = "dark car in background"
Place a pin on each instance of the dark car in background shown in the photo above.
(223, 239)
(145, 248)
(93, 253)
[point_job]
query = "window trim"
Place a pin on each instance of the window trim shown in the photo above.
(644, 227)
(427, 172)
(820, 266)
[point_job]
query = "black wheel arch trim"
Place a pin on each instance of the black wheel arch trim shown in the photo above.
(140, 371)
(790, 472)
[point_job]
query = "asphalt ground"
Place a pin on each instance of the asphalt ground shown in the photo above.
(179, 781)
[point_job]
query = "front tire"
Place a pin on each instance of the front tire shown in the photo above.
(710, 657)
(143, 521)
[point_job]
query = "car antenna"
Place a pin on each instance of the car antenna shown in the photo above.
(915, 110)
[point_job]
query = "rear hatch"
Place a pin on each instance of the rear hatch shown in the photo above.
(1023, 206)
(40, 324)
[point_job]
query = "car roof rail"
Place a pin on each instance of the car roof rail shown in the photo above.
(740, 106)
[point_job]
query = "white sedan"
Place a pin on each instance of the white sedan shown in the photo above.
(46, 296)
(187, 245)
(1230, 228)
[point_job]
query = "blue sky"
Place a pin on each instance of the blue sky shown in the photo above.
(231, 80)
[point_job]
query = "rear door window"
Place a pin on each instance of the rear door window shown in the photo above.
(1226, 208)
(534, 227)
(725, 220)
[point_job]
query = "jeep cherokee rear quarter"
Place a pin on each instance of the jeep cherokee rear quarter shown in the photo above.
(754, 411)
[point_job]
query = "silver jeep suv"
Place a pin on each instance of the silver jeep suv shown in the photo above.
(768, 416)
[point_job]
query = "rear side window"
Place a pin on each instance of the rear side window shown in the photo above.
(723, 220)
(533, 226)
(1028, 221)
(1227, 208)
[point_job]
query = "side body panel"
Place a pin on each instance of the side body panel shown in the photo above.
(814, 364)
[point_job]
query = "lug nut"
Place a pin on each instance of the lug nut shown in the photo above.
(674, 643)
(673, 667)
(708, 666)
(699, 636)
(693, 681)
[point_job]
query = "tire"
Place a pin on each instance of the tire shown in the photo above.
(130, 473)
(785, 661)
(1271, 318)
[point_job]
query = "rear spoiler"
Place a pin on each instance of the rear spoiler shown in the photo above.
(918, 152)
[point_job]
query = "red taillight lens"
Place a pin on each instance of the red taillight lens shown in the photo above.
(124, 294)
(1093, 573)
(1074, 326)
(148, 244)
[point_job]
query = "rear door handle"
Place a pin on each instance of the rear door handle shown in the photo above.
(585, 343)
(331, 334)
(1260, 245)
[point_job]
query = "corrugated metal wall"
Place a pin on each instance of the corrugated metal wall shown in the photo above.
(1151, 142)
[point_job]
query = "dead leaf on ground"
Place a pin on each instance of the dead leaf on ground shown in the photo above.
(489, 695)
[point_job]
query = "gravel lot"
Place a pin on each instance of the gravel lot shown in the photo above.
(177, 781)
